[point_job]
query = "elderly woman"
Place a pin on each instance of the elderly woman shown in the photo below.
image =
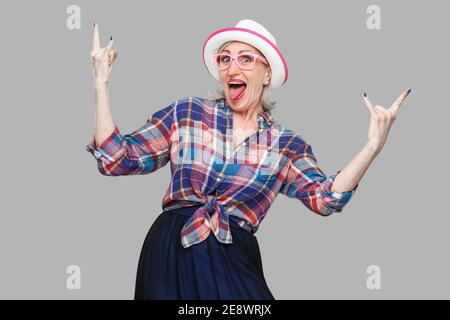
(229, 158)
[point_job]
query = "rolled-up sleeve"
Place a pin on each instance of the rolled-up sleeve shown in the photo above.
(143, 151)
(308, 183)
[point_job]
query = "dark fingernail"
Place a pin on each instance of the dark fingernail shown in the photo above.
(94, 24)
(365, 94)
(110, 38)
(409, 90)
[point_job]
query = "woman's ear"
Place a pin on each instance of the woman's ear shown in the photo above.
(267, 76)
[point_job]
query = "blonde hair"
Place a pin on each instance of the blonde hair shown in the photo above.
(267, 102)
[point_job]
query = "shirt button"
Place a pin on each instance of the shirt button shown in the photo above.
(218, 179)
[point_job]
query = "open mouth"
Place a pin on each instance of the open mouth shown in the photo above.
(236, 90)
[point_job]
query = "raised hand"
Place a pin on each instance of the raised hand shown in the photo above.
(381, 119)
(102, 58)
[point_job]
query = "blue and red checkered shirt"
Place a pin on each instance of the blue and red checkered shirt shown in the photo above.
(195, 135)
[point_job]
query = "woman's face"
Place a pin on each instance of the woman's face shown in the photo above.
(254, 79)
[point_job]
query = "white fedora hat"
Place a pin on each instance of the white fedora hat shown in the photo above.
(254, 34)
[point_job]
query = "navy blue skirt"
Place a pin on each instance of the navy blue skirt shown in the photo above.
(207, 270)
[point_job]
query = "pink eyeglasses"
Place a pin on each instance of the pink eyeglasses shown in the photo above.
(245, 61)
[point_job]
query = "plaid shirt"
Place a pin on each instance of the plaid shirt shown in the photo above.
(196, 135)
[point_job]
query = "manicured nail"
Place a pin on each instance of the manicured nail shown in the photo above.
(365, 94)
(409, 90)
(94, 24)
(111, 38)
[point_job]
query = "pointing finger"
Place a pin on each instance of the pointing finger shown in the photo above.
(96, 38)
(109, 46)
(396, 105)
(368, 103)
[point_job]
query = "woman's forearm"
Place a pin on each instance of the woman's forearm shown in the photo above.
(104, 123)
(350, 176)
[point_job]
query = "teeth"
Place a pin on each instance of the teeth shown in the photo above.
(236, 82)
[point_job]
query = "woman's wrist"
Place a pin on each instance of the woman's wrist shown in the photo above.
(373, 148)
(100, 84)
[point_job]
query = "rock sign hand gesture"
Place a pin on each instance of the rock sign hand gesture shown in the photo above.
(381, 119)
(102, 58)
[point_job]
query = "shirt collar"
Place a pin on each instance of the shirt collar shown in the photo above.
(265, 118)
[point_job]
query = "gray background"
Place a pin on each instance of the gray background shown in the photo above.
(58, 210)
